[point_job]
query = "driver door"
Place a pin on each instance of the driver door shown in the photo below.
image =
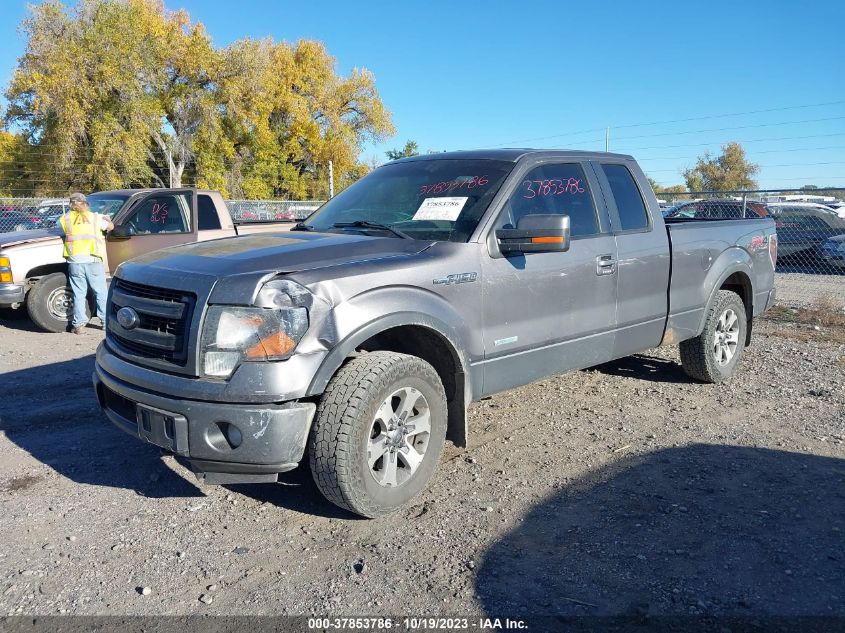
(157, 220)
(547, 313)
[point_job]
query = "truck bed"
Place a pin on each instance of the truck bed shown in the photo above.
(703, 252)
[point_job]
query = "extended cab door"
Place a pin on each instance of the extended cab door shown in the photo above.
(643, 254)
(545, 313)
(156, 220)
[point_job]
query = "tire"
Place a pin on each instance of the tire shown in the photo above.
(713, 356)
(50, 303)
(364, 455)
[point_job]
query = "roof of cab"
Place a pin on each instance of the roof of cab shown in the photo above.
(513, 154)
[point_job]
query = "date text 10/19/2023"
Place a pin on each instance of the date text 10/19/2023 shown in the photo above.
(415, 624)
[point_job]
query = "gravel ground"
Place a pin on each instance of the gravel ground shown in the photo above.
(625, 489)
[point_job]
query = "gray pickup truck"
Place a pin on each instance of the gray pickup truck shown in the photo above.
(360, 337)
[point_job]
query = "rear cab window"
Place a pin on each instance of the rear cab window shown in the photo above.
(208, 219)
(632, 214)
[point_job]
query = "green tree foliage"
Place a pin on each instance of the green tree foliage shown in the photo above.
(410, 149)
(114, 93)
(660, 189)
(729, 171)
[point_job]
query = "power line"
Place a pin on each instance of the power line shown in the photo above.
(756, 140)
(766, 166)
(751, 153)
(739, 127)
(667, 122)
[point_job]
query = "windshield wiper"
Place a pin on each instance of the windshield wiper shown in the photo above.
(364, 224)
(301, 226)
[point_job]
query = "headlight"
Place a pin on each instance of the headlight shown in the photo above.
(233, 335)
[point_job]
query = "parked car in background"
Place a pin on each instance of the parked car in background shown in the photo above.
(833, 252)
(803, 227)
(716, 209)
(49, 211)
(17, 221)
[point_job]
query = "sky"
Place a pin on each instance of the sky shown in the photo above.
(670, 80)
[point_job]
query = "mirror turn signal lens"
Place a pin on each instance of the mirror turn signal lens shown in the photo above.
(547, 240)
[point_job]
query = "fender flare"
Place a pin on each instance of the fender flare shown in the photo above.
(737, 267)
(334, 359)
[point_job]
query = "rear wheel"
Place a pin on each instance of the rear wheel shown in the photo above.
(714, 355)
(50, 303)
(378, 432)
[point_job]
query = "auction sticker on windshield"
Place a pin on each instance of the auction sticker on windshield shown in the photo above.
(440, 209)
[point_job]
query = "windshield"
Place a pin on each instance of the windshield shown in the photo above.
(438, 199)
(106, 203)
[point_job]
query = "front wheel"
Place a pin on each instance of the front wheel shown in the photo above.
(378, 433)
(50, 303)
(713, 356)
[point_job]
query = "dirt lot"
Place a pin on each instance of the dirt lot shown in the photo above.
(617, 490)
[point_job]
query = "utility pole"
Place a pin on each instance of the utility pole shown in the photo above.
(331, 180)
(607, 139)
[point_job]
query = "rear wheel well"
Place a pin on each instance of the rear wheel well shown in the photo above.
(741, 285)
(438, 352)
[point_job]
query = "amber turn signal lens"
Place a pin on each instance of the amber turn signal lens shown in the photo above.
(6, 278)
(4, 262)
(547, 240)
(275, 345)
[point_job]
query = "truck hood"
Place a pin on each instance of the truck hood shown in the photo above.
(14, 238)
(261, 254)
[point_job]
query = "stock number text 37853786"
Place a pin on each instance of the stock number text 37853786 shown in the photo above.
(552, 187)
(464, 182)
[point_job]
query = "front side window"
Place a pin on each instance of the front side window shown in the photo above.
(629, 202)
(556, 189)
(170, 213)
(437, 199)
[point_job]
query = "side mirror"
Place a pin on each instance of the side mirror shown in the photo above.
(120, 232)
(538, 233)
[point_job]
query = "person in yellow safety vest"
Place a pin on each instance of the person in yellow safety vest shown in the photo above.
(85, 250)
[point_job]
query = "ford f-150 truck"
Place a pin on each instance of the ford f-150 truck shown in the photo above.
(360, 337)
(33, 272)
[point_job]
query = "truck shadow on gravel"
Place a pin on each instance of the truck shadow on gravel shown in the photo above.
(700, 530)
(50, 411)
(645, 367)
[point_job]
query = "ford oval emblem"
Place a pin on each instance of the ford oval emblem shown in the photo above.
(128, 318)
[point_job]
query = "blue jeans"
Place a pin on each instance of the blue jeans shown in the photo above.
(82, 277)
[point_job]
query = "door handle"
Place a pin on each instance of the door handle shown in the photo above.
(605, 265)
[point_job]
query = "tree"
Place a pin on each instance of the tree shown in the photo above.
(15, 165)
(730, 171)
(659, 189)
(286, 114)
(410, 149)
(114, 93)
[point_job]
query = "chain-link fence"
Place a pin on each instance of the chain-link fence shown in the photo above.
(810, 226)
(268, 210)
(811, 235)
(20, 214)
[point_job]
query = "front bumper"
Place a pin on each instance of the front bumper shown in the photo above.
(224, 443)
(11, 294)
